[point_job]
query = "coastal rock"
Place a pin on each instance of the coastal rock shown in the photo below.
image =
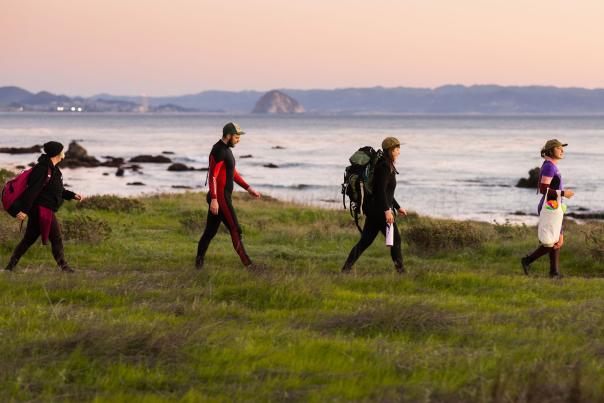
(278, 148)
(113, 162)
(270, 165)
(158, 159)
(587, 216)
(135, 184)
(277, 102)
(178, 167)
(246, 156)
(21, 150)
(76, 156)
(119, 172)
(532, 181)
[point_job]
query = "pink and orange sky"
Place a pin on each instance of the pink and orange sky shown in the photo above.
(160, 47)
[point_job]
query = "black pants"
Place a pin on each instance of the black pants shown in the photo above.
(32, 232)
(554, 257)
(226, 215)
(374, 224)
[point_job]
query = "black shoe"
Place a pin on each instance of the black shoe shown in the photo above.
(525, 264)
(400, 269)
(199, 262)
(11, 265)
(346, 268)
(555, 276)
(66, 269)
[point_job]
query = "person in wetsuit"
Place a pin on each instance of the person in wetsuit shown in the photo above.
(221, 175)
(550, 177)
(39, 202)
(380, 209)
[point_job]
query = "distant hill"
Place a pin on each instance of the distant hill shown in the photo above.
(450, 99)
(18, 99)
(277, 102)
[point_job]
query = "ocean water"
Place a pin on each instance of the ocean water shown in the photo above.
(463, 167)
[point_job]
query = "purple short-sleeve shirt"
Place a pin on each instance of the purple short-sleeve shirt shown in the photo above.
(551, 170)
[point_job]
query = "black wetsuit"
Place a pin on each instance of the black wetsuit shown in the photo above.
(221, 175)
(384, 184)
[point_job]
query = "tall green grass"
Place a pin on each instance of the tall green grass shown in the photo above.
(138, 323)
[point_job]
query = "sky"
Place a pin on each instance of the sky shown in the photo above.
(175, 47)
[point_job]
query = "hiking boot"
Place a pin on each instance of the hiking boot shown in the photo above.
(526, 264)
(66, 269)
(346, 269)
(555, 276)
(199, 262)
(400, 269)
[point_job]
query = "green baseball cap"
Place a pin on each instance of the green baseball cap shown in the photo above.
(232, 128)
(549, 144)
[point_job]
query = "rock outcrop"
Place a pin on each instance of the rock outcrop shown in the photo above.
(277, 102)
(21, 150)
(76, 156)
(158, 159)
(532, 181)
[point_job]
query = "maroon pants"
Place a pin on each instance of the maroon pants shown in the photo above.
(32, 232)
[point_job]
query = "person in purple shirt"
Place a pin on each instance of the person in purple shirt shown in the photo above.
(550, 181)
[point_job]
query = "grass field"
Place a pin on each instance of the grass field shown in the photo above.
(137, 322)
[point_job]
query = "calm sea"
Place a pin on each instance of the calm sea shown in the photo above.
(459, 167)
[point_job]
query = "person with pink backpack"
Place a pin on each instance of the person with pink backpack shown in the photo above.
(37, 194)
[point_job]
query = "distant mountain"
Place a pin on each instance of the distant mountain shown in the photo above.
(449, 99)
(277, 102)
(17, 99)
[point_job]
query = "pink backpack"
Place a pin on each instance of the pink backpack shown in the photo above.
(14, 188)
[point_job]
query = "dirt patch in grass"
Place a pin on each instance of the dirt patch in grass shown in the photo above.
(387, 318)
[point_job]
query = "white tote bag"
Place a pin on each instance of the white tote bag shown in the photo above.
(550, 222)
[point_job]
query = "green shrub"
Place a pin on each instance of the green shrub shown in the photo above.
(193, 221)
(431, 235)
(5, 175)
(594, 240)
(111, 203)
(9, 228)
(85, 229)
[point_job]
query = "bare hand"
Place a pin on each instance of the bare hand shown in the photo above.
(402, 211)
(389, 217)
(214, 206)
(78, 197)
(568, 194)
(560, 242)
(21, 216)
(253, 192)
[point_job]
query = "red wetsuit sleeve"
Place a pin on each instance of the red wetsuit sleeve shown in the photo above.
(239, 180)
(213, 172)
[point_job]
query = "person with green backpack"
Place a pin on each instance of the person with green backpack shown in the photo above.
(380, 207)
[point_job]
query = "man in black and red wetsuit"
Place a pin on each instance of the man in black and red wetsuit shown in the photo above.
(221, 175)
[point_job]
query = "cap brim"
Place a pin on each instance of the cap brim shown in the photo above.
(564, 145)
(240, 133)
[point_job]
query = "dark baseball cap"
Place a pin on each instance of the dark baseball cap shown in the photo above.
(553, 144)
(232, 128)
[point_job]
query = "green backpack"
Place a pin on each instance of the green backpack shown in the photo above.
(358, 178)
